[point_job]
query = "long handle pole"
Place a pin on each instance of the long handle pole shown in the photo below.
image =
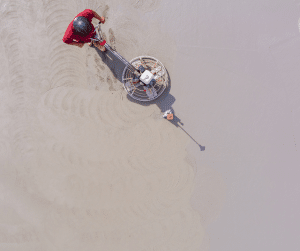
(107, 46)
(128, 64)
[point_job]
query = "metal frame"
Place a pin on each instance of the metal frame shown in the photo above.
(137, 90)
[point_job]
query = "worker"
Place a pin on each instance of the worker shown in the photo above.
(81, 30)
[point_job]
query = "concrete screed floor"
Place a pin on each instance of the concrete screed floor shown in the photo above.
(84, 168)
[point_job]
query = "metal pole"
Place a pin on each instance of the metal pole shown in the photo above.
(107, 46)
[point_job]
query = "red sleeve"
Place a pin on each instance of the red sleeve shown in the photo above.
(68, 34)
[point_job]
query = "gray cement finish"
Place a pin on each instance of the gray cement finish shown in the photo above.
(236, 85)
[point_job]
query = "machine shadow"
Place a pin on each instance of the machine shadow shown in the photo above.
(164, 102)
(114, 64)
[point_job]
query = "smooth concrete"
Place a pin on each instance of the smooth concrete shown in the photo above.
(236, 84)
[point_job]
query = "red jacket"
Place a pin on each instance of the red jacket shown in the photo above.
(69, 36)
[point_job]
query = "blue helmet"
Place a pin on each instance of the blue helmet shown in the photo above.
(82, 26)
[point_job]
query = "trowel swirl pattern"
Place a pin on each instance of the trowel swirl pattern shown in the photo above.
(94, 170)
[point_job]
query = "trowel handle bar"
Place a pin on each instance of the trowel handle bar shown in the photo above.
(129, 65)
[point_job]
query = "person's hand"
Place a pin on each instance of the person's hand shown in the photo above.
(76, 43)
(102, 20)
(100, 47)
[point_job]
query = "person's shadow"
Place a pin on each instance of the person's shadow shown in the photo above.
(164, 102)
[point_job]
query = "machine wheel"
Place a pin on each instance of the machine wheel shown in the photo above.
(136, 89)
